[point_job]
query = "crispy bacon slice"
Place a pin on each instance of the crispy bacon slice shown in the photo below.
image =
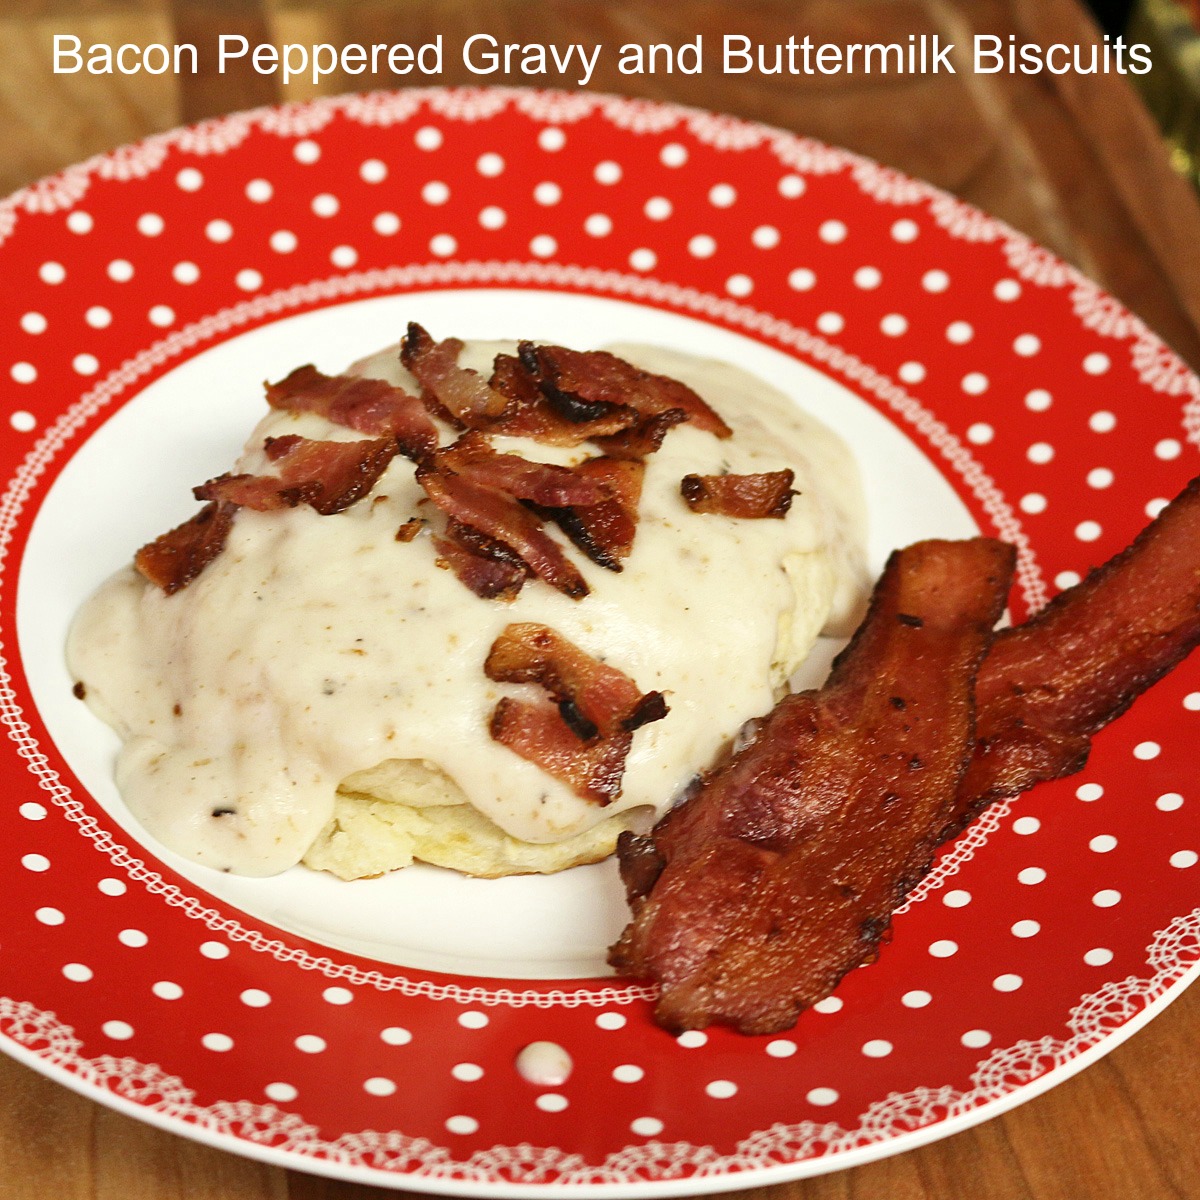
(175, 558)
(604, 531)
(594, 698)
(540, 483)
(643, 439)
(780, 873)
(368, 406)
(767, 494)
(489, 568)
(329, 476)
(461, 394)
(1048, 685)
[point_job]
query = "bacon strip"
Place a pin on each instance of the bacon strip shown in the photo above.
(328, 476)
(175, 558)
(604, 531)
(644, 438)
(462, 394)
(767, 494)
(489, 568)
(540, 483)
(780, 873)
(368, 406)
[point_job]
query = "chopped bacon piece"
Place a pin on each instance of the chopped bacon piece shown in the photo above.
(463, 394)
(767, 494)
(329, 476)
(487, 567)
(604, 531)
(644, 438)
(409, 529)
(594, 698)
(505, 519)
(781, 871)
(540, 483)
(368, 406)
(174, 559)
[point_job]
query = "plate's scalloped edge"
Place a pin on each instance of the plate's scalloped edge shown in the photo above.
(390, 1153)
(1155, 363)
(388, 281)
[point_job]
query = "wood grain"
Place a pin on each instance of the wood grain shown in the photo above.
(1074, 161)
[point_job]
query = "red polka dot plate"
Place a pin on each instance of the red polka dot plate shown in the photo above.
(371, 1031)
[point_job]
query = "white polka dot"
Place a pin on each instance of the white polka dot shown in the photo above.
(944, 948)
(912, 372)
(607, 172)
(23, 422)
(1031, 875)
(1103, 843)
(343, 257)
(721, 1089)
(830, 1004)
(120, 270)
(461, 1124)
(473, 1019)
(765, 237)
(386, 224)
(781, 1048)
(643, 259)
(1102, 422)
(1169, 802)
(309, 1043)
(1184, 859)
(248, 279)
(135, 939)
(52, 272)
(646, 1126)
(35, 862)
(980, 433)
(791, 186)
(467, 1072)
(739, 285)
(259, 191)
(547, 193)
(429, 137)
(80, 222)
(325, 204)
(543, 246)
(959, 332)
(905, 231)
(1097, 363)
(1101, 956)
(377, 1085)
(492, 217)
(956, 899)
(112, 887)
(975, 383)
(1006, 290)
(915, 999)
(284, 241)
(1038, 400)
(443, 245)
(877, 1048)
(1089, 792)
(822, 1097)
(1146, 751)
(552, 139)
(868, 278)
(1106, 898)
(1026, 929)
(692, 1039)
(218, 1042)
(722, 195)
(281, 1093)
(337, 995)
(894, 325)
(1026, 825)
(306, 151)
(119, 1031)
(1168, 449)
(801, 279)
(490, 164)
(1088, 531)
(935, 281)
(218, 231)
(832, 232)
(1192, 702)
(395, 1035)
(161, 315)
(23, 372)
(33, 812)
(1155, 507)
(976, 1039)
(373, 170)
(85, 364)
(214, 950)
(189, 180)
(610, 1020)
(628, 1073)
(165, 989)
(1007, 983)
(185, 272)
(657, 208)
(598, 225)
(435, 192)
(1033, 503)
(77, 972)
(33, 322)
(831, 323)
(1100, 477)
(255, 998)
(1066, 579)
(1027, 345)
(673, 155)
(150, 224)
(551, 1102)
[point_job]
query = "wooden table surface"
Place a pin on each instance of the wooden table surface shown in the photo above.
(1073, 160)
